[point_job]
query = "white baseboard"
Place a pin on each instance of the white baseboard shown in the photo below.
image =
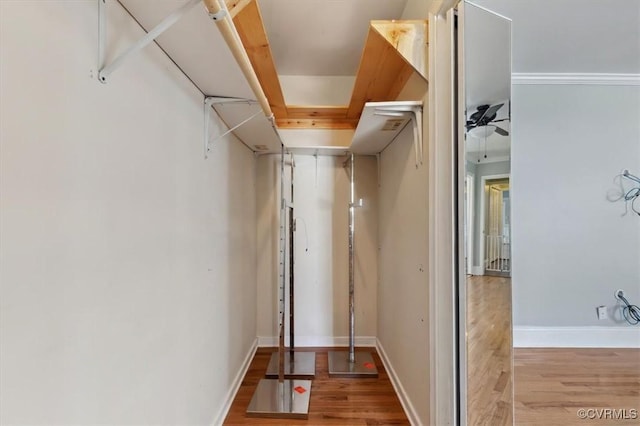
(397, 386)
(317, 341)
(235, 385)
(576, 337)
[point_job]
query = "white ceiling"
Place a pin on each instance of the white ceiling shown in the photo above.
(487, 68)
(487, 57)
(573, 36)
(322, 37)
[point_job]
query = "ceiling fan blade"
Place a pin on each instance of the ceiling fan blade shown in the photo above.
(501, 131)
(490, 112)
(478, 113)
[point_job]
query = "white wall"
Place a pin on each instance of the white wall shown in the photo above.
(321, 271)
(267, 236)
(572, 248)
(314, 138)
(417, 9)
(403, 291)
(127, 261)
(556, 36)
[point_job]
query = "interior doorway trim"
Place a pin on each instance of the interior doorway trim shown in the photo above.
(469, 202)
(483, 180)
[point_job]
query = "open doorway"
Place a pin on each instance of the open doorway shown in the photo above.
(497, 228)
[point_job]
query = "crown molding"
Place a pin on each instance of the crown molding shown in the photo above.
(601, 79)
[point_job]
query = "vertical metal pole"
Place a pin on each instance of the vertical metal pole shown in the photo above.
(291, 268)
(352, 209)
(281, 286)
(341, 363)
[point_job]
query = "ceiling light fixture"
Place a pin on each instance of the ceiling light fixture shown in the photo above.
(482, 131)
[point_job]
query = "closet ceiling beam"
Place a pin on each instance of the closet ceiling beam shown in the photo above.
(221, 16)
(393, 52)
(317, 123)
(253, 36)
(236, 6)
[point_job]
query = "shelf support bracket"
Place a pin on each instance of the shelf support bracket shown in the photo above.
(414, 113)
(210, 101)
(106, 70)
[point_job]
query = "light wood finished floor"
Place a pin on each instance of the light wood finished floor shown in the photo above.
(489, 355)
(552, 384)
(333, 401)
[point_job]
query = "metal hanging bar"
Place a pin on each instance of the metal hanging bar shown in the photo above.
(166, 23)
(298, 365)
(352, 247)
(292, 228)
(352, 287)
(283, 269)
(341, 363)
(281, 398)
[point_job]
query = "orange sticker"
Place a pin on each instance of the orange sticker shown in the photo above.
(369, 365)
(299, 389)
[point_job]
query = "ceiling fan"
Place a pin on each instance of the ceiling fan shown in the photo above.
(479, 122)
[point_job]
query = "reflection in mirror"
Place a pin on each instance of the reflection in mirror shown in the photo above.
(486, 64)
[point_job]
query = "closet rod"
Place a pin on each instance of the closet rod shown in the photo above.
(220, 14)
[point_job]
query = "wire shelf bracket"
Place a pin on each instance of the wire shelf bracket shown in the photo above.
(210, 101)
(166, 23)
(414, 113)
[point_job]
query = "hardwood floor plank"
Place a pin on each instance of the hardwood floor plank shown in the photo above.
(334, 401)
(489, 356)
(552, 384)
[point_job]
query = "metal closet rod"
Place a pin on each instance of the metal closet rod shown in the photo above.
(352, 248)
(220, 14)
